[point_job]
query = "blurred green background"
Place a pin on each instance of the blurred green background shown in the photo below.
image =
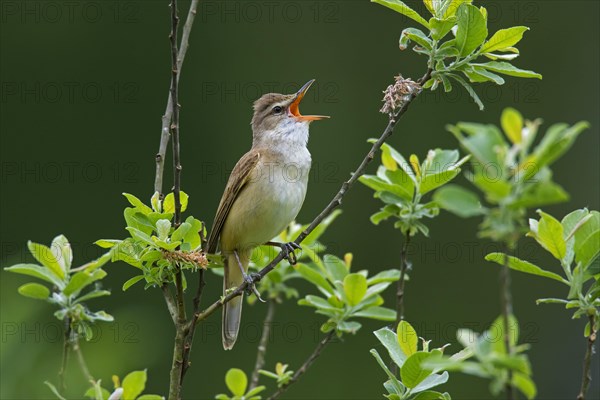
(84, 85)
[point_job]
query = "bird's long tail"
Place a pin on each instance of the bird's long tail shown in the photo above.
(232, 310)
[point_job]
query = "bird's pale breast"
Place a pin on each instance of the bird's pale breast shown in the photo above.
(269, 201)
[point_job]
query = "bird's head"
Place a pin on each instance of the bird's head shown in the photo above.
(277, 116)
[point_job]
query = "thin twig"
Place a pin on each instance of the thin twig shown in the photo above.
(309, 361)
(65, 354)
(587, 377)
(262, 346)
(82, 363)
(400, 293)
(400, 289)
(167, 117)
(333, 204)
(506, 299)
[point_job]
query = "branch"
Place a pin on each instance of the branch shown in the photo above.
(82, 363)
(587, 377)
(400, 290)
(507, 311)
(309, 361)
(65, 354)
(262, 347)
(333, 204)
(167, 117)
(171, 306)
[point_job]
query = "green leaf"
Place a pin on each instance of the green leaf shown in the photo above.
(378, 313)
(336, 268)
(431, 395)
(168, 204)
(453, 6)
(469, 90)
(548, 232)
(92, 295)
(412, 372)
(35, 291)
(505, 68)
(504, 38)
(180, 232)
(236, 381)
(134, 384)
(37, 271)
(389, 340)
(417, 36)
(397, 385)
(348, 326)
(47, 258)
(441, 27)
(193, 236)
(137, 203)
(432, 380)
(64, 256)
(150, 397)
(587, 240)
(557, 140)
(407, 338)
(439, 168)
(540, 194)
(132, 281)
(478, 74)
(54, 390)
(524, 266)
(82, 279)
(459, 201)
(97, 393)
(403, 9)
(315, 278)
(390, 275)
(355, 287)
(512, 124)
(525, 385)
(163, 227)
(472, 29)
(107, 243)
(319, 303)
(379, 185)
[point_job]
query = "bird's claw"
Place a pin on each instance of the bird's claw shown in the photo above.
(288, 251)
(251, 287)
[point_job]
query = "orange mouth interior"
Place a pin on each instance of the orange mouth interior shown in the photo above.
(295, 107)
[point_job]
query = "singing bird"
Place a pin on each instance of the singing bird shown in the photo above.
(264, 193)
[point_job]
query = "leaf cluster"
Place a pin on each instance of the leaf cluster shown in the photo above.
(155, 246)
(453, 57)
(415, 379)
(512, 173)
(131, 388)
(485, 355)
(401, 186)
(237, 383)
(67, 283)
(575, 243)
(346, 295)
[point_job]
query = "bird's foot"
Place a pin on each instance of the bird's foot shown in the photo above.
(250, 280)
(288, 250)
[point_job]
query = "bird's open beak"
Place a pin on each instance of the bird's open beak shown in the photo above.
(295, 106)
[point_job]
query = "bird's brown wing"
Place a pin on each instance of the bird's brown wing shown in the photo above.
(237, 180)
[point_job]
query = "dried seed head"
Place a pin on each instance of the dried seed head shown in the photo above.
(398, 94)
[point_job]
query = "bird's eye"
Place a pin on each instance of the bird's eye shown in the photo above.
(277, 110)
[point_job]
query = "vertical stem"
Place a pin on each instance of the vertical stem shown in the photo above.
(400, 290)
(65, 354)
(167, 116)
(175, 119)
(262, 346)
(180, 337)
(587, 377)
(507, 311)
(81, 360)
(309, 361)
